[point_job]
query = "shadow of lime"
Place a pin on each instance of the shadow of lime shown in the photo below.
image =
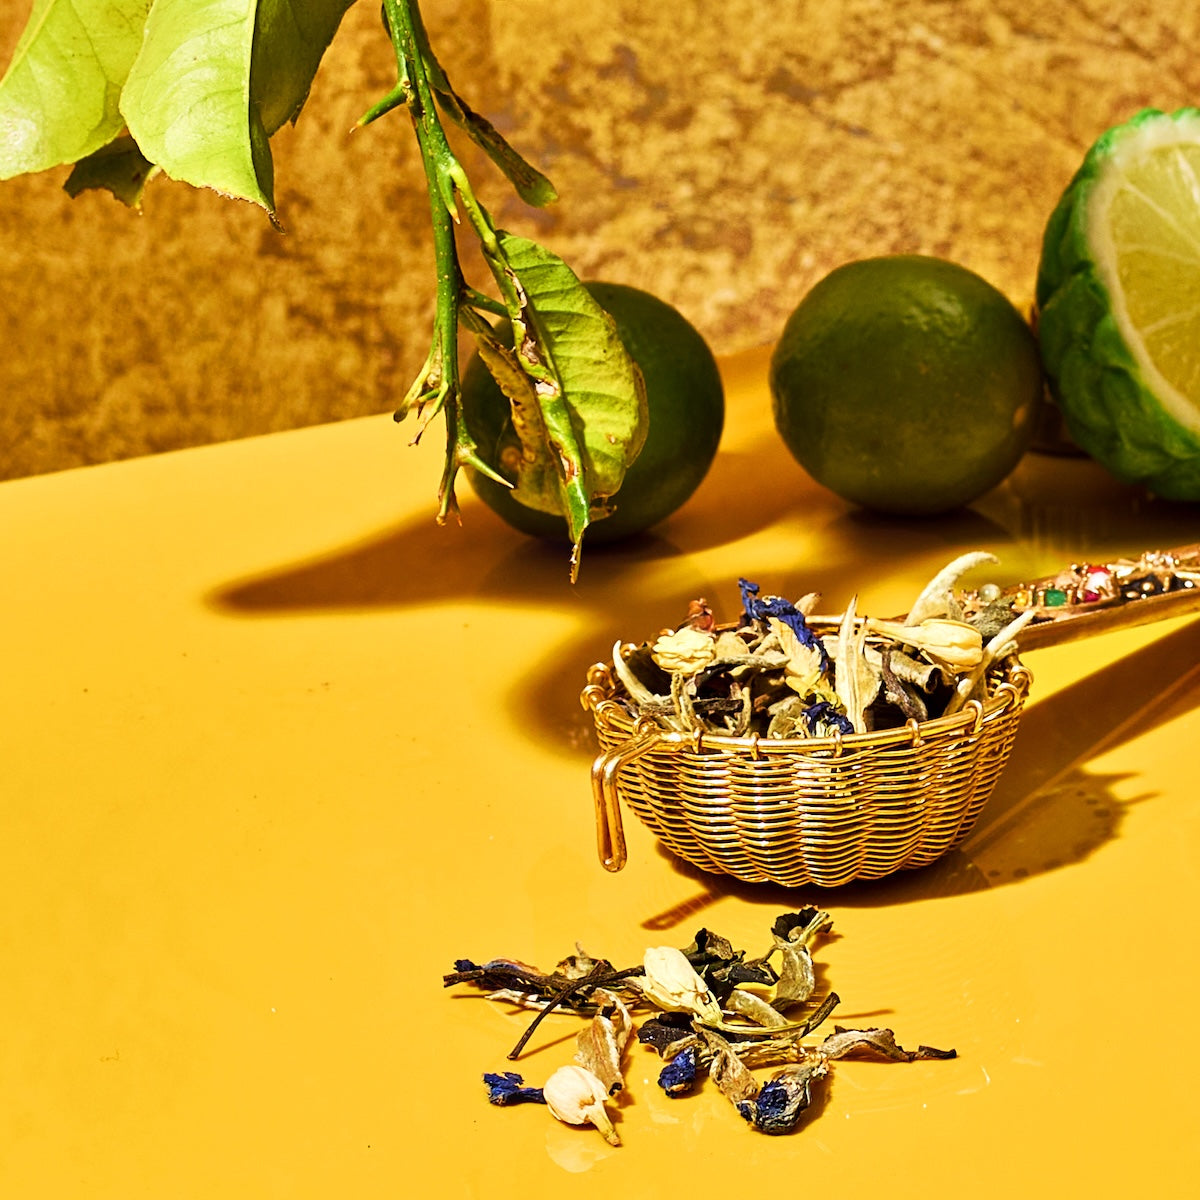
(419, 562)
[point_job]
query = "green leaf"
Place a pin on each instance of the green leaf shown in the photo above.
(591, 416)
(291, 37)
(215, 78)
(59, 96)
(532, 186)
(120, 168)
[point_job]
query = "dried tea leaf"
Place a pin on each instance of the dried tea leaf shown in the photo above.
(802, 926)
(602, 1043)
(874, 1043)
(992, 618)
(731, 647)
(1004, 642)
(579, 964)
(906, 697)
(937, 597)
(742, 1003)
(624, 668)
(727, 1070)
(857, 680)
(709, 947)
(797, 975)
(722, 967)
(787, 719)
(915, 671)
(665, 1031)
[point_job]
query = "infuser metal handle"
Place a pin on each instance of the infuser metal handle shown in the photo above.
(1154, 587)
(610, 832)
(1128, 592)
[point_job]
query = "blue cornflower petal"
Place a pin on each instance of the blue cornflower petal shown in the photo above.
(749, 596)
(824, 713)
(773, 1102)
(778, 1106)
(757, 609)
(505, 1088)
(679, 1074)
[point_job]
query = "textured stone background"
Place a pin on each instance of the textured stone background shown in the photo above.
(723, 155)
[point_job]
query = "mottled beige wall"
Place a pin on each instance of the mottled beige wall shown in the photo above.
(724, 155)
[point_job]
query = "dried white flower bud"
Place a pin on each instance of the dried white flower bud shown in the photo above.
(576, 1097)
(949, 643)
(686, 651)
(671, 982)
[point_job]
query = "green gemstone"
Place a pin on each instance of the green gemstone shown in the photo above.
(1054, 597)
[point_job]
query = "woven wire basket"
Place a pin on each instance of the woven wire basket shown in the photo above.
(799, 811)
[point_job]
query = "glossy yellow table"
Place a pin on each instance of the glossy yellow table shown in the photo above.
(278, 750)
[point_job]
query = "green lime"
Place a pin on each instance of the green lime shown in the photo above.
(686, 404)
(1118, 297)
(906, 384)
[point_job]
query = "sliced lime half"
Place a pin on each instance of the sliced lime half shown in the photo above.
(1119, 302)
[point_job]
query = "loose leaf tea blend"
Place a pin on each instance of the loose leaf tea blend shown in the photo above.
(774, 675)
(710, 1011)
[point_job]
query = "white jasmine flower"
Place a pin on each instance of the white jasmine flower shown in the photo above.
(953, 644)
(576, 1097)
(686, 651)
(671, 982)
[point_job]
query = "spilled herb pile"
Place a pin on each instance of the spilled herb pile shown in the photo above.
(775, 675)
(710, 1011)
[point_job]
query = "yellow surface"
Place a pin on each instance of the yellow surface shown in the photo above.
(278, 750)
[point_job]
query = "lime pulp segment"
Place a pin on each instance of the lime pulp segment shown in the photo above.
(1147, 218)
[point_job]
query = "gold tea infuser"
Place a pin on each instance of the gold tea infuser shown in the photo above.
(828, 810)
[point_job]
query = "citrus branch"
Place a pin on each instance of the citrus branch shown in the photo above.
(437, 385)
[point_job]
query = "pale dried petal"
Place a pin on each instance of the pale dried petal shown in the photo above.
(727, 1070)
(754, 1008)
(601, 1045)
(807, 604)
(636, 689)
(804, 670)
(797, 975)
(857, 680)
